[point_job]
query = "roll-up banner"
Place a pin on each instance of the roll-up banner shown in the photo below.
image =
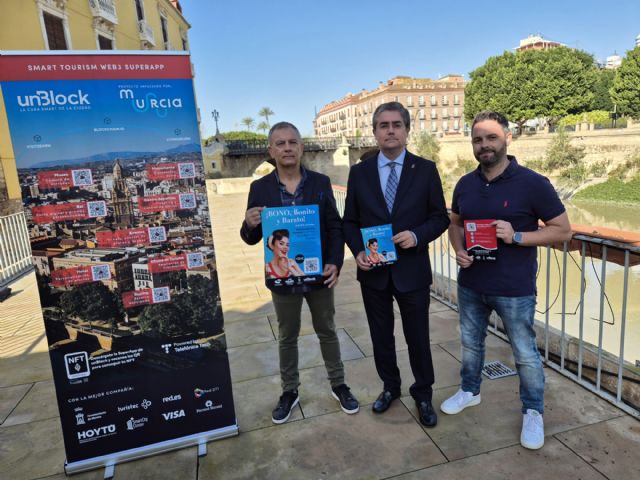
(110, 166)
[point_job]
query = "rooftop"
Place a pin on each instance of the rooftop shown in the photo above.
(587, 437)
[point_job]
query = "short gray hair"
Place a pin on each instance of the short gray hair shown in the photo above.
(282, 125)
(392, 107)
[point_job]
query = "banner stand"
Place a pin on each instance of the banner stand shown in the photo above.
(109, 462)
(109, 159)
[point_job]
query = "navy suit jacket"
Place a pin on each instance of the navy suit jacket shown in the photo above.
(265, 192)
(419, 206)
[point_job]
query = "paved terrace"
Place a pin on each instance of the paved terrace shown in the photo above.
(587, 438)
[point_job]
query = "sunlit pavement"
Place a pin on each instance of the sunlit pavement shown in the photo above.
(586, 437)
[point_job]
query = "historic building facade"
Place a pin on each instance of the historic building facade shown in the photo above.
(435, 106)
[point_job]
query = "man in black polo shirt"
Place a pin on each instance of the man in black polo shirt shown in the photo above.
(291, 184)
(515, 199)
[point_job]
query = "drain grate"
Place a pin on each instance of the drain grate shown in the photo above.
(497, 369)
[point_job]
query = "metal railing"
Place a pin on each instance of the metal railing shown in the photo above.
(563, 341)
(15, 249)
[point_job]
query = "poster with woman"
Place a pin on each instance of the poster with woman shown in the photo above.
(378, 245)
(292, 248)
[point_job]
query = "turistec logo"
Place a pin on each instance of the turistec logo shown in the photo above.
(49, 98)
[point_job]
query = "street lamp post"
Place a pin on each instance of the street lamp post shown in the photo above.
(215, 114)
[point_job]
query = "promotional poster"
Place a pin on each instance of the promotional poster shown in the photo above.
(110, 166)
(480, 238)
(292, 248)
(378, 245)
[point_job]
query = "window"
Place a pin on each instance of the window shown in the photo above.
(456, 125)
(445, 126)
(422, 114)
(456, 99)
(396, 99)
(54, 27)
(434, 126)
(410, 101)
(434, 100)
(421, 100)
(445, 100)
(456, 112)
(213, 164)
(421, 124)
(434, 113)
(165, 32)
(445, 113)
(139, 10)
(105, 43)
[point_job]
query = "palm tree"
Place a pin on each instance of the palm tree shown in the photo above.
(248, 122)
(264, 126)
(265, 112)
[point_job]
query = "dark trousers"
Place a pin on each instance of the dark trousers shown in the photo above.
(414, 311)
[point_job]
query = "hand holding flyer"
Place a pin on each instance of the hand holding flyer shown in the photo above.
(292, 250)
(480, 238)
(378, 245)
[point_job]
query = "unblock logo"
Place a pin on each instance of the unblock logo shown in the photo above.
(49, 98)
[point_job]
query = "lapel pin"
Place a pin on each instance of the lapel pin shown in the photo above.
(413, 165)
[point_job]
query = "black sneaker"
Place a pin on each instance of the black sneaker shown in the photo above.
(348, 403)
(287, 401)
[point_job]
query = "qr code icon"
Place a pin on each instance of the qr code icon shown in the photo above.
(97, 209)
(195, 260)
(391, 256)
(471, 227)
(157, 234)
(187, 170)
(100, 272)
(160, 294)
(82, 177)
(311, 265)
(187, 200)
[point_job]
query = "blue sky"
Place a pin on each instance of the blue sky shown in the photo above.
(296, 56)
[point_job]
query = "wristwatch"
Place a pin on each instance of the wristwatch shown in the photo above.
(517, 238)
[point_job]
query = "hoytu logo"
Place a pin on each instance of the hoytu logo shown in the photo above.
(49, 98)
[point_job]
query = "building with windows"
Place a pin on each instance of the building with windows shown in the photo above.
(80, 25)
(435, 106)
(537, 42)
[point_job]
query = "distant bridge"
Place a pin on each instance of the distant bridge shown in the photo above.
(236, 148)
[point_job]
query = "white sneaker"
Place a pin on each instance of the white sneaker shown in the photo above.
(532, 436)
(459, 402)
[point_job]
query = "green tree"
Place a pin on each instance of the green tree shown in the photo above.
(427, 146)
(560, 153)
(602, 96)
(266, 112)
(532, 83)
(248, 122)
(163, 319)
(625, 91)
(240, 135)
(91, 302)
(264, 126)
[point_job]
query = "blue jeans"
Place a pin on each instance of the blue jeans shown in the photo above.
(517, 314)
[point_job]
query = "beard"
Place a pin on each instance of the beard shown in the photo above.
(490, 160)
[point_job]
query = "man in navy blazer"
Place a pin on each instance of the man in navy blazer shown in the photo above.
(291, 184)
(393, 186)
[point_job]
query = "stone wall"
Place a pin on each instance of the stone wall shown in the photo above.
(613, 145)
